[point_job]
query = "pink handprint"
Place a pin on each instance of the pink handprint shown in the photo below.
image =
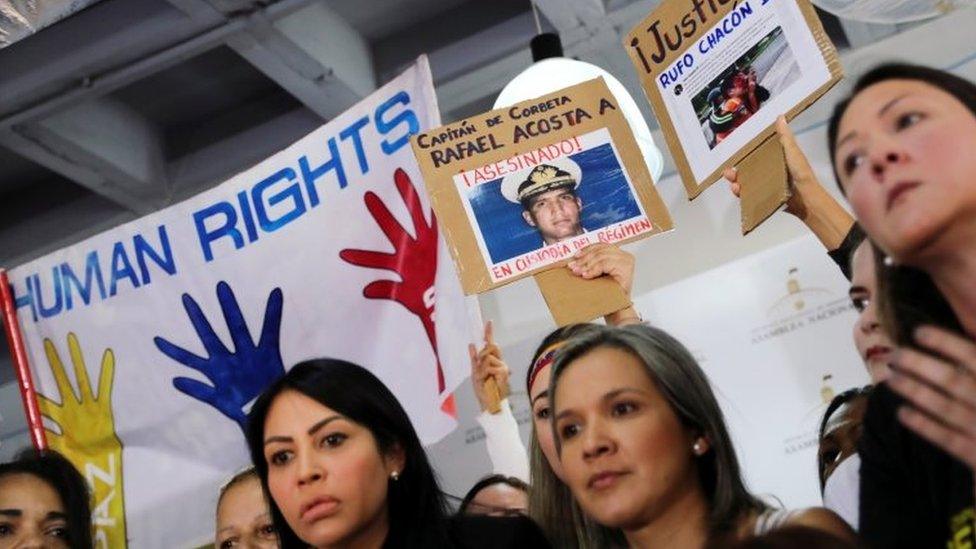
(414, 259)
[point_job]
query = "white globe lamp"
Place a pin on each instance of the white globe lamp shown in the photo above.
(551, 71)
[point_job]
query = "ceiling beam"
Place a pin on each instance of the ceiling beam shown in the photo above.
(211, 165)
(474, 87)
(54, 228)
(78, 53)
(102, 145)
(309, 50)
(588, 33)
(567, 15)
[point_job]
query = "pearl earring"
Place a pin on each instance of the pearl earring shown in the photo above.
(395, 476)
(697, 448)
(889, 261)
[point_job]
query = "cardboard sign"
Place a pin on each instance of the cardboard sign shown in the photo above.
(521, 189)
(719, 72)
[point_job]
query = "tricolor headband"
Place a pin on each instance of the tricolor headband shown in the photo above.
(545, 359)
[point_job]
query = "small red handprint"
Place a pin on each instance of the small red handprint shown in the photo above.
(414, 259)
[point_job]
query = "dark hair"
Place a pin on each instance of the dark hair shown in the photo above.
(416, 507)
(715, 97)
(848, 249)
(55, 469)
(908, 298)
(841, 400)
(960, 88)
(726, 84)
(835, 404)
(683, 384)
(487, 481)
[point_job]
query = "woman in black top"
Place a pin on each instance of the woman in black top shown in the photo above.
(343, 467)
(902, 147)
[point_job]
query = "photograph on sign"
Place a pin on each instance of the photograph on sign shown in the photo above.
(732, 98)
(719, 90)
(521, 189)
(541, 206)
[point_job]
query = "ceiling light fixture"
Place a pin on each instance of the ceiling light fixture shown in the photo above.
(551, 71)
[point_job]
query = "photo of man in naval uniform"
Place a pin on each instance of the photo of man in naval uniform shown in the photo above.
(549, 199)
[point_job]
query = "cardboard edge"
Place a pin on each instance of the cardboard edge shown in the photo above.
(571, 299)
(765, 185)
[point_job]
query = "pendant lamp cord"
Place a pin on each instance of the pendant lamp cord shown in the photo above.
(535, 13)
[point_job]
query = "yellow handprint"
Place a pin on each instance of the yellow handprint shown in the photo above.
(88, 437)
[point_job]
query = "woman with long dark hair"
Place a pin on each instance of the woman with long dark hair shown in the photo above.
(902, 147)
(44, 502)
(343, 467)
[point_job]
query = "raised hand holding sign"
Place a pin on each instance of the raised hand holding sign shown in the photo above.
(489, 374)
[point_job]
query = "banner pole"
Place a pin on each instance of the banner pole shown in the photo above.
(25, 382)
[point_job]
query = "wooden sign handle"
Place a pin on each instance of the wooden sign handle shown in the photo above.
(494, 394)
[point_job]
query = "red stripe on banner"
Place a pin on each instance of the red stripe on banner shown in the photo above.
(449, 406)
(21, 366)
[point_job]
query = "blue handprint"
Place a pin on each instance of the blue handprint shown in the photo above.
(239, 375)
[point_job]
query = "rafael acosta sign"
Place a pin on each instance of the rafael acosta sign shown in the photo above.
(519, 190)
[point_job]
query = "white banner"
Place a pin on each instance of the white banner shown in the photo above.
(328, 248)
(773, 333)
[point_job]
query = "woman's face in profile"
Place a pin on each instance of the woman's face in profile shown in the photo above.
(31, 514)
(243, 519)
(904, 158)
(326, 473)
(541, 412)
(870, 339)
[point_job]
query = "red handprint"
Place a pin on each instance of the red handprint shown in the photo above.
(415, 260)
